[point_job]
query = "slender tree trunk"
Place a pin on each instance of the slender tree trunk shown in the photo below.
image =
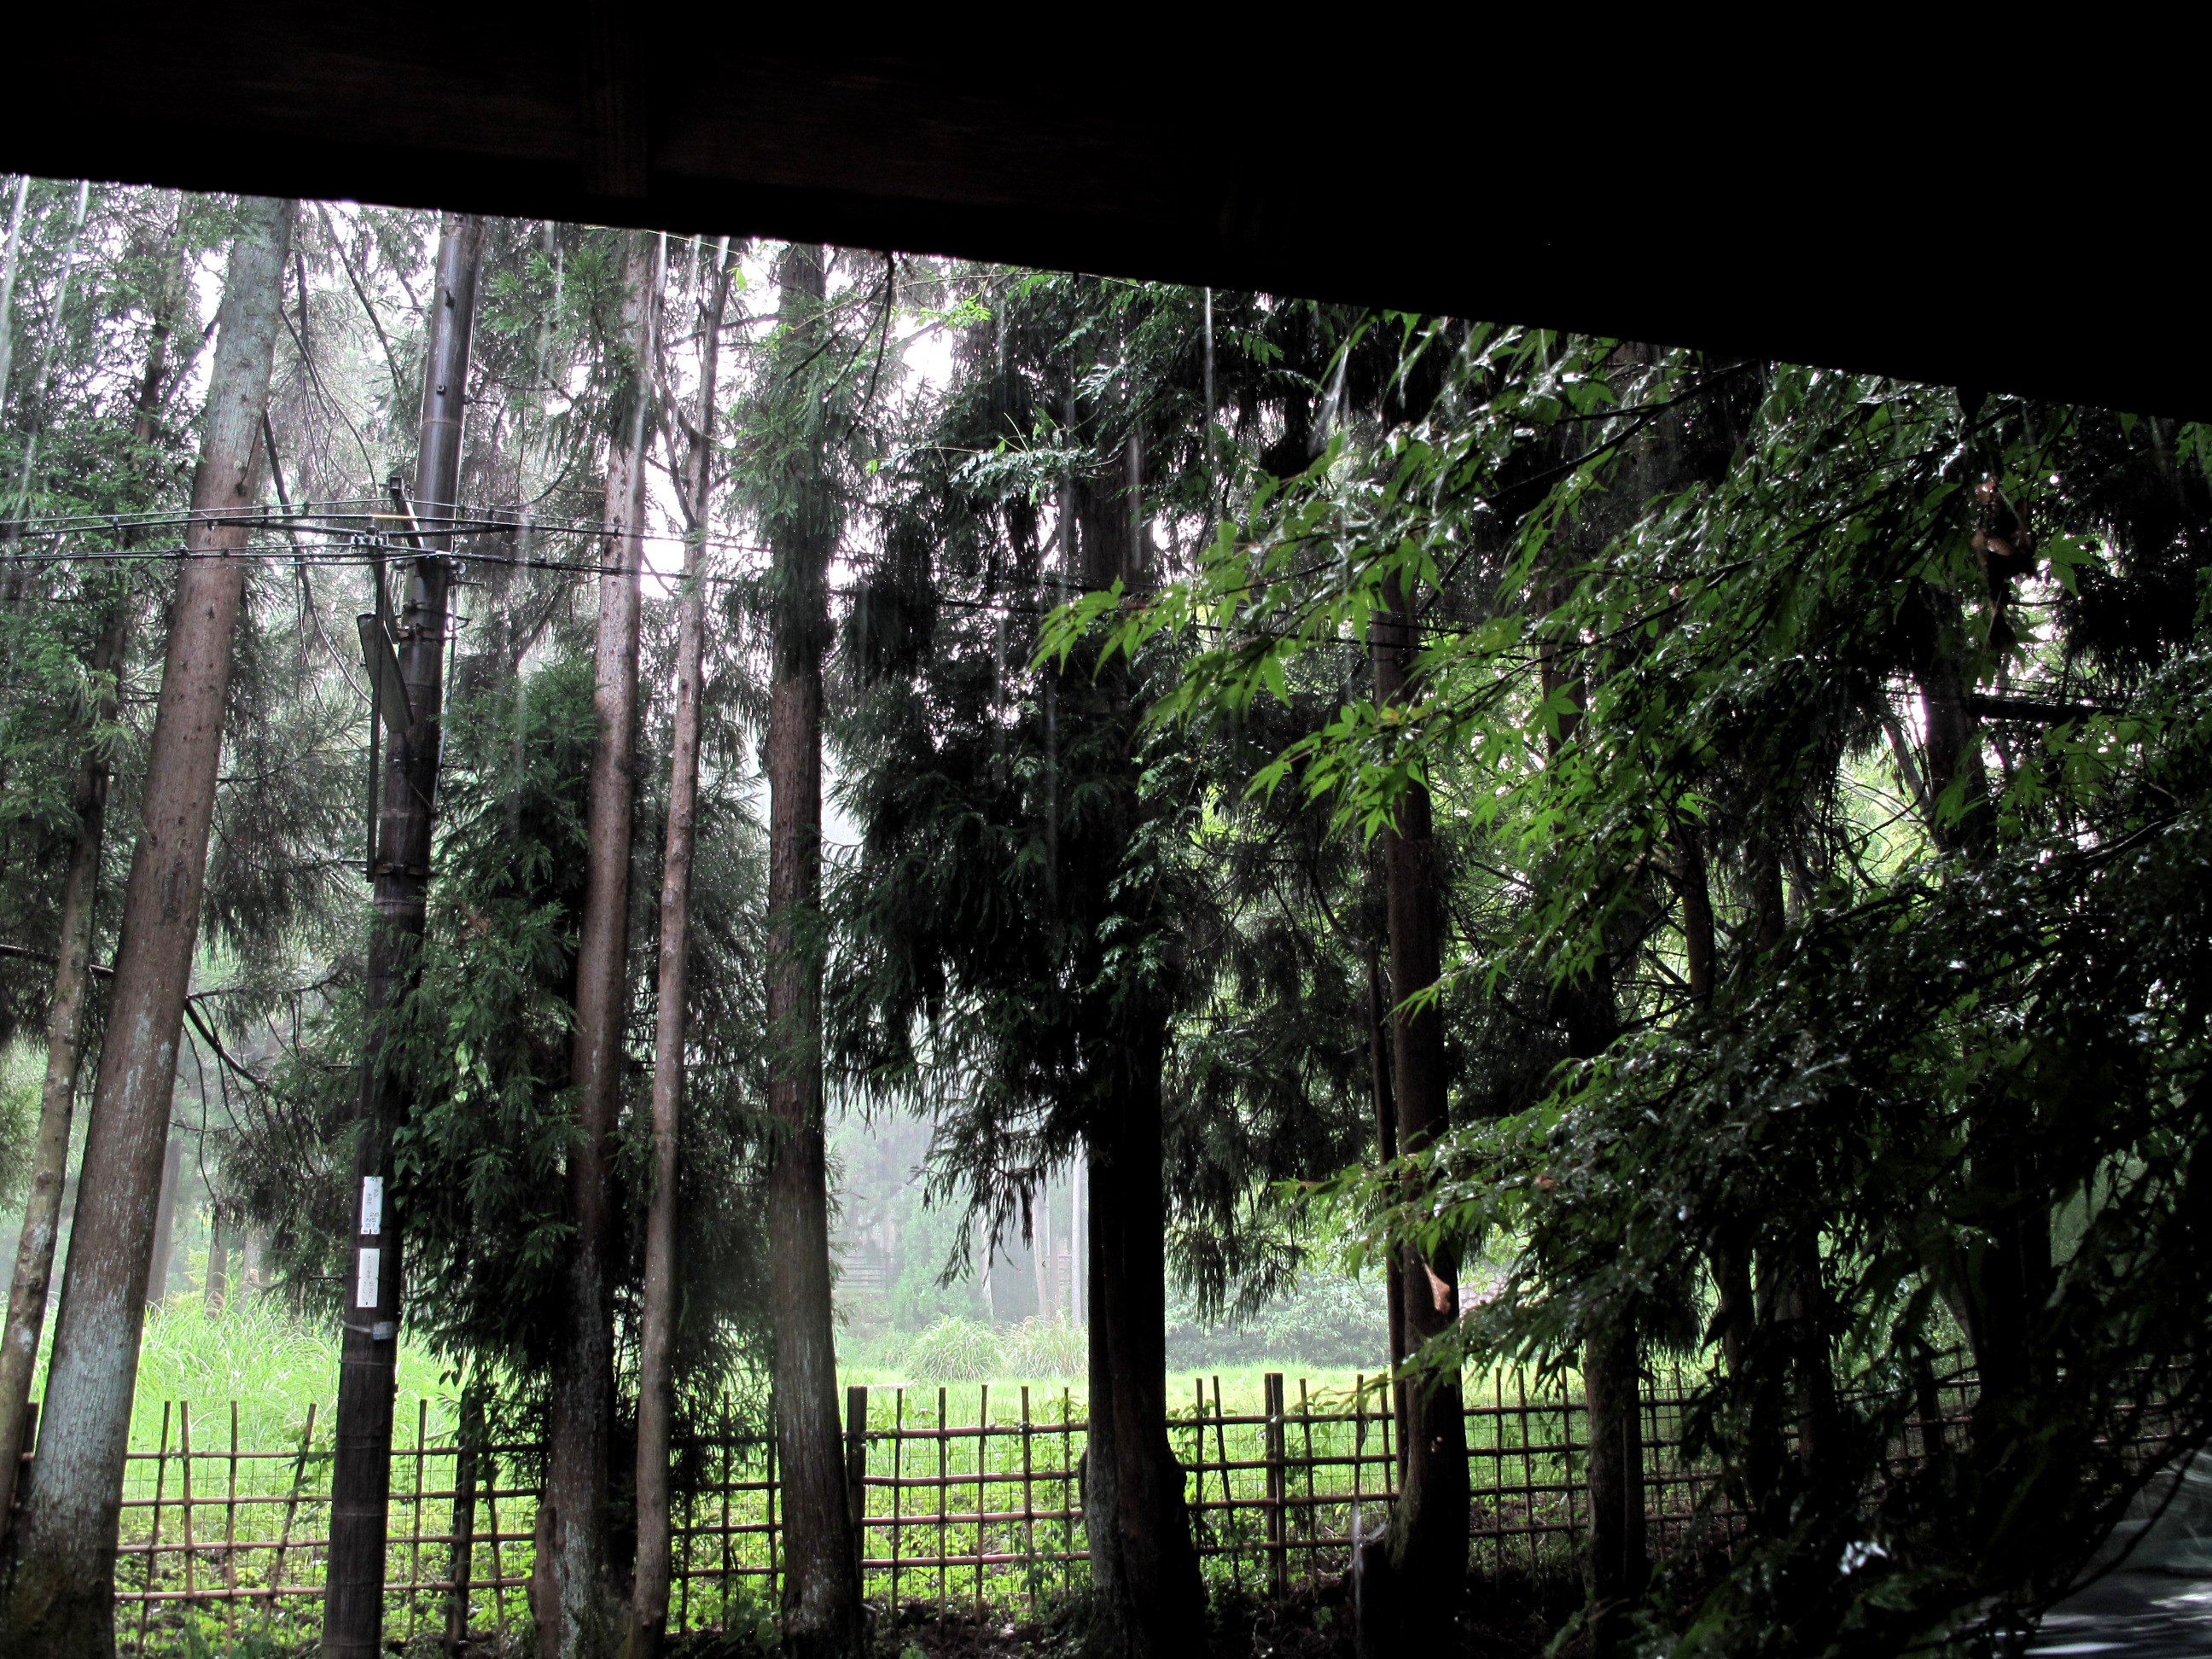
(1411, 1587)
(1611, 1358)
(66, 1027)
(1040, 1254)
(165, 1222)
(1733, 1306)
(369, 1352)
(586, 1619)
(1612, 1395)
(9, 263)
(657, 1320)
(2008, 1275)
(1797, 1304)
(218, 1272)
(61, 1592)
(1619, 1561)
(460, 1563)
(822, 1609)
(1379, 1060)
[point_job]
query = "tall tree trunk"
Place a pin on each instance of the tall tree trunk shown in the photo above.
(1733, 1305)
(1147, 1596)
(1612, 1358)
(657, 1314)
(61, 1591)
(468, 1471)
(66, 1028)
(369, 1352)
(1797, 1297)
(66, 1024)
(2000, 1287)
(1385, 1103)
(1379, 1060)
(586, 1617)
(1613, 1367)
(1148, 1600)
(821, 1610)
(1410, 1589)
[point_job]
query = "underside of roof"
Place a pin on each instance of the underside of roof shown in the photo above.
(1699, 212)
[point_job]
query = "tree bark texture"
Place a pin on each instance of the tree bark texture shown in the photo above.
(823, 1614)
(61, 1591)
(1411, 1587)
(1612, 1395)
(657, 1314)
(1733, 1309)
(586, 1617)
(369, 1352)
(66, 1031)
(165, 1222)
(1611, 1358)
(1147, 1598)
(216, 1291)
(1380, 1059)
(2006, 1275)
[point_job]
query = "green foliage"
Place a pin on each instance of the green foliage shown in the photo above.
(957, 1350)
(1325, 1321)
(1045, 895)
(1669, 607)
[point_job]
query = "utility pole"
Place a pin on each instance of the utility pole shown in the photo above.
(406, 675)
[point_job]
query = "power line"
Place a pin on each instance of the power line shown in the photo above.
(367, 520)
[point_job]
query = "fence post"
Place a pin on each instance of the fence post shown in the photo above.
(1029, 1507)
(983, 1497)
(184, 1468)
(154, 1537)
(230, 1536)
(1279, 1564)
(856, 1471)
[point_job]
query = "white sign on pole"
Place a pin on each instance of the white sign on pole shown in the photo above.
(372, 1204)
(371, 1269)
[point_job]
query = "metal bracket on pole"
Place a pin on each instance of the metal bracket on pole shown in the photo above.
(389, 690)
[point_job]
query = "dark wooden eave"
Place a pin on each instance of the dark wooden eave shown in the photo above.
(1395, 177)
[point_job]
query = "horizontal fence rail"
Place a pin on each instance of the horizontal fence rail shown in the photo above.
(968, 1497)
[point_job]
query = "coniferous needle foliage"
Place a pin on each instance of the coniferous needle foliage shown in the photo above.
(1819, 772)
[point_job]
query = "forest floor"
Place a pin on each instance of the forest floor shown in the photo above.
(1510, 1619)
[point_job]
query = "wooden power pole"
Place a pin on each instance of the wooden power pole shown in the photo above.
(406, 673)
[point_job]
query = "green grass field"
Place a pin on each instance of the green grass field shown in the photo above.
(274, 1364)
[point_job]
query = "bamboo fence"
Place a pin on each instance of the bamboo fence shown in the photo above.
(971, 1496)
